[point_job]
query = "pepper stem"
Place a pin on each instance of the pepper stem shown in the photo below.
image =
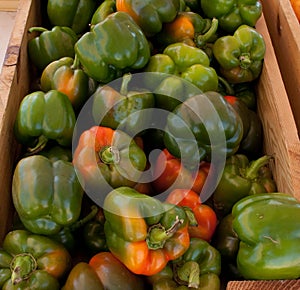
(245, 61)
(202, 39)
(158, 235)
(191, 217)
(124, 87)
(21, 267)
(41, 144)
(109, 155)
(76, 62)
(188, 274)
(83, 221)
(252, 171)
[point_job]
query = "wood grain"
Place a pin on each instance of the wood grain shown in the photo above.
(264, 285)
(10, 5)
(284, 31)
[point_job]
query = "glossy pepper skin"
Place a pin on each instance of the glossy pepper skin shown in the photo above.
(188, 27)
(105, 158)
(198, 268)
(241, 178)
(203, 219)
(51, 45)
(47, 195)
(123, 109)
(103, 271)
(42, 117)
(268, 227)
(150, 15)
(65, 75)
(112, 46)
(75, 14)
(30, 261)
(196, 115)
(233, 13)
(144, 233)
(185, 61)
(252, 141)
(240, 56)
(104, 9)
(175, 175)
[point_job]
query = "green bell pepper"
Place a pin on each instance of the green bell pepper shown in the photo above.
(51, 45)
(106, 8)
(74, 14)
(29, 261)
(233, 13)
(268, 226)
(240, 56)
(198, 268)
(65, 75)
(42, 117)
(150, 15)
(144, 233)
(191, 132)
(47, 195)
(112, 46)
(188, 62)
(57, 152)
(252, 141)
(124, 108)
(241, 178)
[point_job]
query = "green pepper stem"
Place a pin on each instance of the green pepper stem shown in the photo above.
(252, 171)
(37, 29)
(41, 144)
(158, 235)
(245, 61)
(76, 62)
(202, 39)
(124, 87)
(189, 274)
(21, 267)
(109, 155)
(86, 219)
(190, 215)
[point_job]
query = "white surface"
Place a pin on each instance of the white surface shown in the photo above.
(6, 25)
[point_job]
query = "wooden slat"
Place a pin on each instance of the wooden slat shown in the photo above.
(11, 5)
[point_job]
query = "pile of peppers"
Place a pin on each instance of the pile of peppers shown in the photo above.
(110, 188)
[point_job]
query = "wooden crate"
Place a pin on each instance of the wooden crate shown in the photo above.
(9, 5)
(280, 131)
(284, 30)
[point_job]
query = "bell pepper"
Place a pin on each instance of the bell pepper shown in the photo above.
(188, 27)
(30, 261)
(51, 45)
(57, 152)
(240, 56)
(150, 15)
(232, 13)
(47, 195)
(169, 173)
(66, 76)
(268, 227)
(42, 117)
(198, 268)
(191, 133)
(203, 216)
(188, 62)
(93, 234)
(74, 14)
(252, 141)
(144, 233)
(103, 271)
(112, 46)
(122, 109)
(241, 178)
(105, 158)
(106, 8)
